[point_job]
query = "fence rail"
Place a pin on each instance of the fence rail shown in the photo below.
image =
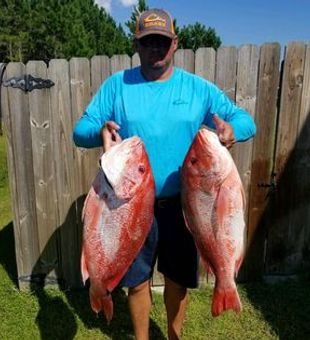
(49, 177)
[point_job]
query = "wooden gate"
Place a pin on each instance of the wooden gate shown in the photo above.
(49, 177)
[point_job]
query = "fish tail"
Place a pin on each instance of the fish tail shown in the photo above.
(107, 304)
(224, 299)
(102, 302)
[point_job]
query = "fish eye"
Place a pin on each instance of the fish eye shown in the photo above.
(193, 160)
(141, 169)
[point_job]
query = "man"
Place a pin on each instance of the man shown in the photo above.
(165, 106)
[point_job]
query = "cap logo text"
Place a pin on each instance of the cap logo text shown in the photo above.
(154, 20)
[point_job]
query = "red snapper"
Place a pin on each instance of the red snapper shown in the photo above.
(117, 216)
(213, 204)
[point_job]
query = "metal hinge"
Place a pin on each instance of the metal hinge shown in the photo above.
(28, 83)
(272, 185)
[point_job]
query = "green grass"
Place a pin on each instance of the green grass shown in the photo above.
(279, 311)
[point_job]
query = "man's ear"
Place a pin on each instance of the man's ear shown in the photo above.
(175, 43)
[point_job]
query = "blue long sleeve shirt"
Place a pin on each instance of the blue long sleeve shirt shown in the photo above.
(166, 115)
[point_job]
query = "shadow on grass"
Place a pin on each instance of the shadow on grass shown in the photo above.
(59, 263)
(7, 252)
(285, 306)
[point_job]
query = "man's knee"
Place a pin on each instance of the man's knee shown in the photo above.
(142, 287)
(174, 286)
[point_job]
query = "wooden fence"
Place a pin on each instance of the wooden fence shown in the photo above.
(49, 176)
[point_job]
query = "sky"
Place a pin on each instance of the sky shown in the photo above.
(237, 22)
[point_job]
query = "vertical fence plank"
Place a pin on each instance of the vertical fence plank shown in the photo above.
(2, 68)
(65, 170)
(262, 159)
(80, 97)
(205, 63)
(135, 60)
(303, 163)
(84, 161)
(283, 248)
(305, 98)
(21, 177)
(44, 175)
(120, 62)
(299, 162)
(100, 70)
(185, 59)
(226, 70)
(246, 98)
(247, 74)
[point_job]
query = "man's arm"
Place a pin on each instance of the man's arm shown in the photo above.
(233, 124)
(94, 125)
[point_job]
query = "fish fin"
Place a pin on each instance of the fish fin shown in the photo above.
(84, 270)
(222, 205)
(224, 299)
(238, 264)
(102, 302)
(107, 304)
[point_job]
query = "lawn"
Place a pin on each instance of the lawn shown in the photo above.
(278, 311)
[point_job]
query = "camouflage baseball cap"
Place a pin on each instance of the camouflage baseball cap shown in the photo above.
(155, 21)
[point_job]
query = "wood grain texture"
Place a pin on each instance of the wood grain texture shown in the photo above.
(44, 174)
(285, 236)
(185, 59)
(205, 58)
(247, 75)
(135, 60)
(120, 62)
(66, 173)
(226, 70)
(21, 175)
(262, 160)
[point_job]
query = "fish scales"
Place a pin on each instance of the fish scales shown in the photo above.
(117, 216)
(213, 204)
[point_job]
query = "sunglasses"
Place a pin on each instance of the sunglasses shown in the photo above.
(155, 41)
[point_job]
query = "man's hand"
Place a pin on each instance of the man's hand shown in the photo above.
(224, 131)
(110, 135)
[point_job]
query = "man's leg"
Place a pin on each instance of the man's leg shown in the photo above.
(175, 297)
(140, 302)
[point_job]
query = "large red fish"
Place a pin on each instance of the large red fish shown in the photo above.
(117, 216)
(213, 204)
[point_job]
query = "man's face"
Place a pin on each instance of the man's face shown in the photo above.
(156, 51)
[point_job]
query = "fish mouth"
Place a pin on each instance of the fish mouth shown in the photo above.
(132, 142)
(203, 136)
(135, 141)
(206, 136)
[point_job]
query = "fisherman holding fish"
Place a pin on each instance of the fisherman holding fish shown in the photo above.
(165, 106)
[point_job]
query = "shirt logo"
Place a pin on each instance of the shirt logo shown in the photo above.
(179, 102)
(154, 20)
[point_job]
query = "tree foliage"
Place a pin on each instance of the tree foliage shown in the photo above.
(131, 24)
(197, 35)
(45, 29)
